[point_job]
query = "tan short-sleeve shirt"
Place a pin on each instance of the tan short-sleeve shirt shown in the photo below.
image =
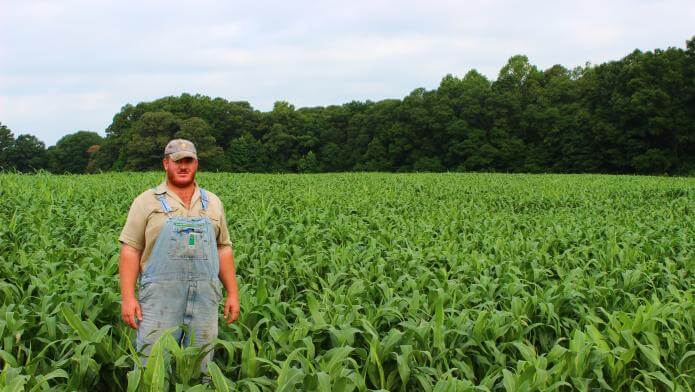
(146, 218)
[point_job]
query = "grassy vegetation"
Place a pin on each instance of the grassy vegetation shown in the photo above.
(400, 282)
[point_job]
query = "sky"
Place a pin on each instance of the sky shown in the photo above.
(71, 65)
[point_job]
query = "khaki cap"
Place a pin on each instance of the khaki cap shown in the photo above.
(179, 149)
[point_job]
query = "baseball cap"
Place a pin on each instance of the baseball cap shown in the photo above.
(180, 148)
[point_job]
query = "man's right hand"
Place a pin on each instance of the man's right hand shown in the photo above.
(130, 308)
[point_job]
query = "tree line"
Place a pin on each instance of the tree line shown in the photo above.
(633, 115)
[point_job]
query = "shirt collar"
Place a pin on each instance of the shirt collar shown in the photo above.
(162, 189)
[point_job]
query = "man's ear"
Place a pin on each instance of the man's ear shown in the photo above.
(164, 163)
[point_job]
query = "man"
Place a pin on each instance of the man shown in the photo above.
(176, 239)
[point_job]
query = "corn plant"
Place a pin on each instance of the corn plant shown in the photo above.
(369, 281)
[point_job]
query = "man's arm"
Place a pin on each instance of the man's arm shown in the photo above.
(228, 278)
(128, 270)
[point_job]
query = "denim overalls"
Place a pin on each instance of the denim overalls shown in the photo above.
(180, 283)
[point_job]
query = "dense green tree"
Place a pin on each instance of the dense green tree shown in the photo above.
(282, 137)
(73, 152)
(308, 163)
(147, 138)
(27, 154)
(374, 158)
(631, 115)
(473, 118)
(246, 154)
(197, 130)
(6, 143)
(428, 164)
(111, 154)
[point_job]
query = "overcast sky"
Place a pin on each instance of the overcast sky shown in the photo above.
(71, 65)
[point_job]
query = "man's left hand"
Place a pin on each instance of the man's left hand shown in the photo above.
(231, 309)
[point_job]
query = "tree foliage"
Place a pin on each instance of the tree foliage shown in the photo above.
(27, 154)
(633, 115)
(6, 144)
(73, 153)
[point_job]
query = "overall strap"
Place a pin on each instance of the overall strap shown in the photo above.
(203, 199)
(165, 204)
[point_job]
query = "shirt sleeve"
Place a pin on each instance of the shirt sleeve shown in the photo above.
(133, 232)
(223, 236)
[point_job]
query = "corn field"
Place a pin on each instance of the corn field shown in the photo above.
(368, 281)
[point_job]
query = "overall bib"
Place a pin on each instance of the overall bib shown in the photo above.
(180, 283)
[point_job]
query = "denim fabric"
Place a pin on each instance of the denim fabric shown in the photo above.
(180, 285)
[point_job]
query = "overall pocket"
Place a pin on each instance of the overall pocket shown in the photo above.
(188, 241)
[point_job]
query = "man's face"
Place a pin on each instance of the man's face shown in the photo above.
(181, 173)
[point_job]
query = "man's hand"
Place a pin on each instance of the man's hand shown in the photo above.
(128, 269)
(231, 309)
(228, 278)
(130, 308)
